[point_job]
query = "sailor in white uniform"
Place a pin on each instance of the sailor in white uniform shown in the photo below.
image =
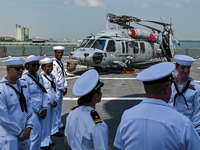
(38, 98)
(185, 91)
(15, 108)
(85, 130)
(59, 73)
(52, 98)
(153, 124)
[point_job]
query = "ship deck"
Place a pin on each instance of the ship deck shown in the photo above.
(120, 92)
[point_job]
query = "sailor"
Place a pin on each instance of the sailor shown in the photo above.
(15, 108)
(153, 124)
(84, 128)
(185, 91)
(59, 73)
(52, 98)
(38, 98)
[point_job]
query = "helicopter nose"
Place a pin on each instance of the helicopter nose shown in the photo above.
(97, 57)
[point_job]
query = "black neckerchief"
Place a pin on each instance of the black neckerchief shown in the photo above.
(52, 83)
(22, 99)
(61, 66)
(181, 93)
(38, 83)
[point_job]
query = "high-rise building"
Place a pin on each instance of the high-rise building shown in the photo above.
(22, 33)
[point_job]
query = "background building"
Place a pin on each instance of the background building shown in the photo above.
(22, 33)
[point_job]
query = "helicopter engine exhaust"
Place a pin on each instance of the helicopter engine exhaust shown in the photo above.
(137, 33)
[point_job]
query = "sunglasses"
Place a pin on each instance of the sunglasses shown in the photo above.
(18, 68)
(59, 52)
(34, 65)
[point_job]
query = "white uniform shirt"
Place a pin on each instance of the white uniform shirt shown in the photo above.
(154, 125)
(192, 96)
(82, 133)
(12, 120)
(52, 95)
(38, 98)
(58, 73)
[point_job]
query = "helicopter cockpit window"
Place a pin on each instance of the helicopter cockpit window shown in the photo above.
(99, 44)
(142, 48)
(89, 44)
(111, 46)
(84, 42)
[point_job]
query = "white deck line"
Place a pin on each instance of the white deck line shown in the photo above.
(115, 78)
(108, 98)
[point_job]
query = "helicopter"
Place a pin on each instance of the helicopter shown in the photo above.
(126, 45)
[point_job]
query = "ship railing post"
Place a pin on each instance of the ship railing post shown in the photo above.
(4, 51)
(40, 50)
(186, 51)
(23, 50)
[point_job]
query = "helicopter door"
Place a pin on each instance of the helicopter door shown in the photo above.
(125, 48)
(139, 51)
(130, 47)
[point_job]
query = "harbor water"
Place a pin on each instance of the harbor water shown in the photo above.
(191, 48)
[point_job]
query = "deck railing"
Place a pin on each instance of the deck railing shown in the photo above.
(46, 50)
(26, 50)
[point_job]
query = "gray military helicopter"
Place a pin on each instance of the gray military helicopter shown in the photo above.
(124, 46)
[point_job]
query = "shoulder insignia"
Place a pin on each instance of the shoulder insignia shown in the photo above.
(74, 107)
(95, 117)
(191, 87)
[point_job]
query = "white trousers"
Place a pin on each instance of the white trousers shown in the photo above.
(36, 133)
(60, 110)
(57, 115)
(46, 126)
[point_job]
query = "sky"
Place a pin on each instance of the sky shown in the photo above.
(77, 19)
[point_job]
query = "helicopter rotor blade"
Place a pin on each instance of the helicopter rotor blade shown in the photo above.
(154, 29)
(157, 22)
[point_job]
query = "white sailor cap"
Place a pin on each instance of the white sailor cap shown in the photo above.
(184, 60)
(46, 61)
(86, 83)
(32, 58)
(158, 73)
(13, 61)
(58, 48)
